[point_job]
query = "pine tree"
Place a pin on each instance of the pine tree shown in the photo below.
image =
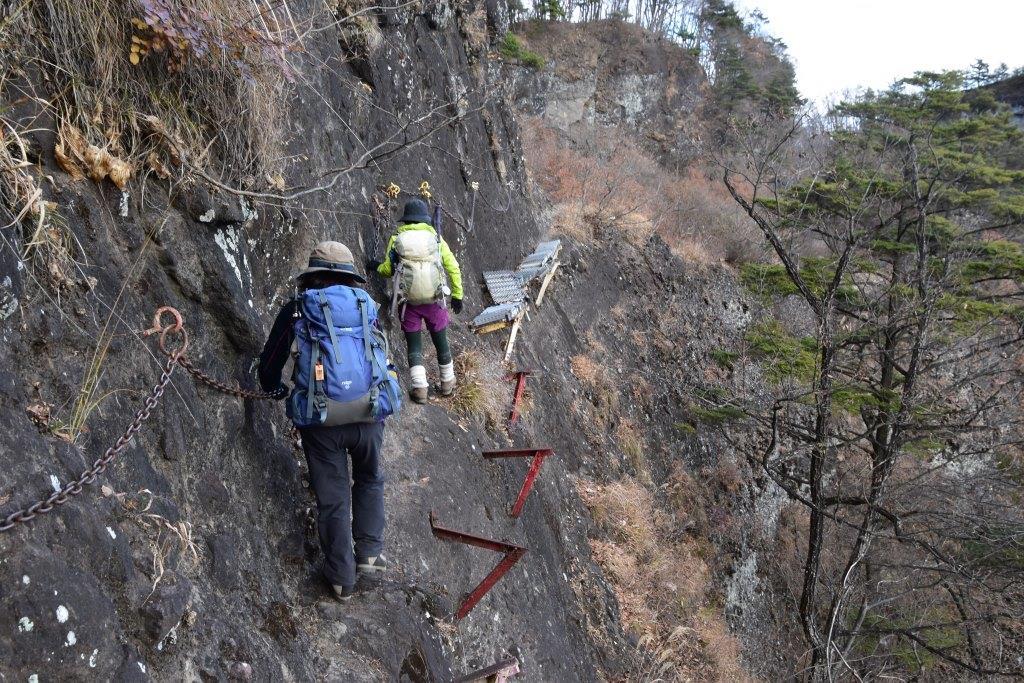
(898, 423)
(978, 74)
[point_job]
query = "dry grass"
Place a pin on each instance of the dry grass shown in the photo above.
(47, 242)
(608, 185)
(602, 386)
(169, 542)
(663, 586)
(631, 440)
(482, 390)
(226, 110)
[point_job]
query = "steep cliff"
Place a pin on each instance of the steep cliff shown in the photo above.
(198, 561)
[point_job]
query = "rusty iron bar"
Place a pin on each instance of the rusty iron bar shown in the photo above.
(512, 554)
(538, 455)
(495, 673)
(517, 398)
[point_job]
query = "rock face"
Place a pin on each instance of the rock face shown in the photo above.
(200, 563)
(199, 559)
(1011, 91)
(613, 74)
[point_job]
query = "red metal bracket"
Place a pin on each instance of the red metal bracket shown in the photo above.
(538, 455)
(495, 673)
(517, 398)
(512, 554)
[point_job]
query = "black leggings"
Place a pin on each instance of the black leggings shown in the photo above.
(414, 344)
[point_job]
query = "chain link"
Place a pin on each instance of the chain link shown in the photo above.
(89, 476)
(227, 388)
(174, 358)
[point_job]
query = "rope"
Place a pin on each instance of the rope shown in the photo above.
(175, 357)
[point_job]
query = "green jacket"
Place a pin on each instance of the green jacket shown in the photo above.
(451, 266)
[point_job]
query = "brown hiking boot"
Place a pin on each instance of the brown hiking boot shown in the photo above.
(447, 388)
(418, 394)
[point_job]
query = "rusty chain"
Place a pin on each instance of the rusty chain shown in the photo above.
(175, 357)
(190, 368)
(206, 379)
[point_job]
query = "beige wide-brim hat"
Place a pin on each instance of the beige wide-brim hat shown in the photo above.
(332, 257)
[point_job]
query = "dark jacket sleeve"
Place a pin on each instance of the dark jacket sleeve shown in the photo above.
(275, 351)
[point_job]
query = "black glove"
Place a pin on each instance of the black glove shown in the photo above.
(282, 392)
(456, 306)
(372, 265)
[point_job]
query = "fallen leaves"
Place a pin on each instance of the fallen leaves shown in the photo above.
(79, 158)
(39, 413)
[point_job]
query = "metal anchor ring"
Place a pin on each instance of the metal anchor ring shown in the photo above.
(175, 327)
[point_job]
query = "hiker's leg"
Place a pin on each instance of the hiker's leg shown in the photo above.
(412, 326)
(328, 475)
(364, 443)
(444, 351)
(414, 347)
(437, 323)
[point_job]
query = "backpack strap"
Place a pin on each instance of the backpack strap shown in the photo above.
(311, 390)
(380, 374)
(364, 314)
(325, 306)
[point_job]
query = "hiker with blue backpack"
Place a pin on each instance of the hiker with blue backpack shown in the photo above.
(344, 388)
(423, 267)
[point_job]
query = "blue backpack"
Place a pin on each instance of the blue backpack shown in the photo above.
(342, 372)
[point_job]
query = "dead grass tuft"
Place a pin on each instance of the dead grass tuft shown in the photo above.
(47, 242)
(224, 105)
(634, 446)
(170, 543)
(602, 387)
(482, 390)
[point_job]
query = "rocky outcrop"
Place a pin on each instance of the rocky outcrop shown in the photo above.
(1011, 91)
(613, 74)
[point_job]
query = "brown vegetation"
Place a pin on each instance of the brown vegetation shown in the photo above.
(482, 391)
(610, 187)
(663, 586)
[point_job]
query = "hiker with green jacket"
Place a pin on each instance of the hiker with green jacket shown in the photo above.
(426, 272)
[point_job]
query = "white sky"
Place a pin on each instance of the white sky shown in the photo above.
(839, 45)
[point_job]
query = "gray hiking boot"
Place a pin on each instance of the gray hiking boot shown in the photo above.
(343, 593)
(372, 564)
(419, 394)
(447, 378)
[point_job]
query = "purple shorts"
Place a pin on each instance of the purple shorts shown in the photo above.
(436, 316)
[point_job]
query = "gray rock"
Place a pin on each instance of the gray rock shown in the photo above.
(166, 607)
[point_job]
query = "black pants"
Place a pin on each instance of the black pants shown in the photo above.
(337, 496)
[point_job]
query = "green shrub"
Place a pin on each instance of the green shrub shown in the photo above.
(786, 355)
(512, 48)
(725, 359)
(717, 415)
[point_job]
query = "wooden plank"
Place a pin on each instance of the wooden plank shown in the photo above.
(546, 282)
(491, 327)
(512, 338)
